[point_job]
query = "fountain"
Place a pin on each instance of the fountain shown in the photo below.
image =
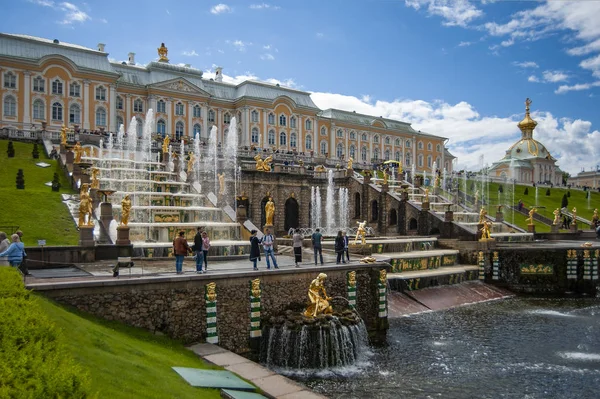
(343, 204)
(330, 204)
(315, 202)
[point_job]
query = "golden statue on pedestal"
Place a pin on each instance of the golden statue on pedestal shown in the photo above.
(361, 232)
(85, 206)
(574, 216)
(385, 178)
(532, 211)
(319, 301)
(436, 181)
(267, 163)
(595, 217)
(95, 181)
(190, 163)
(63, 135)
(485, 231)
(260, 164)
(162, 53)
(556, 216)
(165, 145)
(482, 215)
(350, 162)
(78, 150)
(426, 198)
(269, 212)
(320, 168)
(125, 210)
(221, 183)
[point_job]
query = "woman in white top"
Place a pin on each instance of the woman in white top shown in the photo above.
(297, 244)
(4, 244)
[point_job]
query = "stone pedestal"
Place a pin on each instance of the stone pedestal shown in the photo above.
(448, 216)
(385, 188)
(404, 195)
(359, 248)
(241, 214)
(425, 206)
(436, 191)
(367, 179)
(554, 228)
(106, 216)
(479, 232)
(69, 157)
(531, 228)
(123, 235)
(573, 227)
(86, 236)
(349, 172)
(165, 158)
(499, 217)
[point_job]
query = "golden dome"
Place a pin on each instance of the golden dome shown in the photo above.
(527, 124)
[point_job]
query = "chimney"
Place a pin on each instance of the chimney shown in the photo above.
(219, 74)
(131, 57)
(101, 47)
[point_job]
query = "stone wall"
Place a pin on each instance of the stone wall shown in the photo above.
(176, 306)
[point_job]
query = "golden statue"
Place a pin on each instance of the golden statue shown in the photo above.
(320, 168)
(530, 218)
(426, 198)
(85, 206)
(485, 231)
(352, 279)
(222, 183)
(385, 178)
(190, 163)
(361, 232)
(125, 210)
(595, 216)
(63, 135)
(95, 181)
(556, 216)
(319, 301)
(269, 212)
(255, 288)
(260, 164)
(211, 292)
(436, 181)
(165, 145)
(162, 53)
(383, 276)
(350, 162)
(368, 259)
(78, 150)
(482, 215)
(574, 216)
(267, 163)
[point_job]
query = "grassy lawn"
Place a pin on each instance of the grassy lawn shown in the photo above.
(37, 210)
(126, 362)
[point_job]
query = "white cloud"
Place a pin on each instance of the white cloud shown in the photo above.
(526, 64)
(454, 12)
(264, 6)
(250, 76)
(533, 79)
(220, 9)
(577, 87)
(319, 35)
(586, 49)
(464, 44)
(168, 12)
(192, 53)
(267, 46)
(43, 3)
(267, 57)
(554, 76)
(507, 43)
(239, 45)
(72, 14)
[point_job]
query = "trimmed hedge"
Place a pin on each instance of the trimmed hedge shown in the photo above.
(33, 361)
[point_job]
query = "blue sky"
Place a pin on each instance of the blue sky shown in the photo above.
(460, 69)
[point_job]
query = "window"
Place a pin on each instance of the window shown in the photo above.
(197, 111)
(57, 112)
(255, 135)
(438, 162)
(227, 118)
(179, 109)
(397, 142)
(161, 127)
(119, 102)
(429, 146)
(140, 127)
(100, 93)
(254, 116)
(161, 106)
(282, 138)
(339, 151)
(57, 87)
(10, 106)
(376, 139)
(388, 140)
(353, 135)
(271, 119)
(323, 131)
(75, 90)
(293, 141)
(407, 144)
(225, 133)
(10, 80)
(438, 148)
(353, 152)
(100, 117)
(39, 84)
(340, 133)
(119, 123)
(364, 137)
(38, 110)
(386, 155)
(74, 114)
(271, 137)
(282, 120)
(420, 145)
(293, 122)
(397, 156)
(308, 124)
(197, 130)
(407, 159)
(363, 154)
(211, 116)
(178, 130)
(323, 147)
(308, 142)
(420, 160)
(376, 155)
(429, 161)
(138, 106)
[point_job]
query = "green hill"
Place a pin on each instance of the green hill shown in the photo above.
(36, 210)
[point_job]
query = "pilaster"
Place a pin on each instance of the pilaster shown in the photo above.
(86, 111)
(27, 99)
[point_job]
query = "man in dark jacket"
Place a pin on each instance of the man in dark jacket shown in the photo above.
(339, 247)
(180, 249)
(198, 250)
(254, 249)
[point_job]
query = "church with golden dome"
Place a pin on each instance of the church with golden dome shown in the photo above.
(527, 161)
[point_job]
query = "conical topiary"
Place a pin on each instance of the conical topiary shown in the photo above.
(10, 150)
(55, 183)
(20, 180)
(35, 153)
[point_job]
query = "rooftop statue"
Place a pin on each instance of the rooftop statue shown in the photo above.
(361, 232)
(269, 212)
(125, 210)
(319, 301)
(162, 53)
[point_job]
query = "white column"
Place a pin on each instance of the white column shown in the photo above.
(414, 145)
(300, 135)
(246, 140)
(86, 104)
(170, 129)
(127, 105)
(219, 123)
(112, 108)
(266, 129)
(204, 111)
(27, 99)
(370, 154)
(190, 127)
(331, 148)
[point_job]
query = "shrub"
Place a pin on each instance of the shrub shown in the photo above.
(10, 150)
(568, 194)
(33, 362)
(500, 188)
(35, 153)
(548, 192)
(526, 192)
(565, 201)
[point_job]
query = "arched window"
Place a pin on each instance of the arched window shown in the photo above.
(407, 144)
(376, 154)
(211, 116)
(119, 102)
(420, 160)
(271, 137)
(397, 142)
(388, 140)
(420, 145)
(393, 217)
(254, 116)
(308, 124)
(293, 141)
(197, 130)
(363, 154)
(74, 113)
(57, 111)
(429, 164)
(119, 122)
(356, 205)
(293, 122)
(353, 135)
(39, 84)
(364, 137)
(438, 162)
(374, 210)
(386, 155)
(282, 138)
(353, 152)
(323, 147)
(339, 151)
(179, 130)
(161, 106)
(161, 127)
(323, 131)
(398, 157)
(140, 126)
(100, 117)
(225, 133)
(438, 148)
(197, 111)
(429, 146)
(100, 93)
(271, 119)
(74, 89)
(179, 109)
(376, 139)
(57, 87)
(39, 111)
(10, 106)
(255, 135)
(308, 142)
(340, 133)
(10, 80)
(282, 120)
(227, 118)
(138, 106)
(407, 159)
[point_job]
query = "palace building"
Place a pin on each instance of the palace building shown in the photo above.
(48, 83)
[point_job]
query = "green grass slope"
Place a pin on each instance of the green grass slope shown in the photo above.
(37, 210)
(126, 362)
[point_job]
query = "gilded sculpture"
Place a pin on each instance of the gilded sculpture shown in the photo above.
(260, 164)
(165, 145)
(319, 301)
(352, 279)
(426, 198)
(350, 162)
(190, 163)
(162, 53)
(95, 181)
(383, 276)
(78, 150)
(556, 216)
(385, 178)
(485, 231)
(255, 290)
(125, 210)
(482, 215)
(269, 212)
(320, 168)
(267, 163)
(211, 292)
(574, 215)
(532, 211)
(436, 181)
(222, 183)
(85, 206)
(63, 135)
(361, 232)
(595, 217)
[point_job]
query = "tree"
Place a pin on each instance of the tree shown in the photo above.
(565, 177)
(526, 192)
(565, 201)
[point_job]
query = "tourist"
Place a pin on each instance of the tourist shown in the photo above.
(346, 242)
(267, 241)
(205, 248)
(181, 249)
(254, 249)
(4, 244)
(316, 243)
(15, 252)
(53, 153)
(297, 244)
(339, 247)
(23, 266)
(197, 248)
